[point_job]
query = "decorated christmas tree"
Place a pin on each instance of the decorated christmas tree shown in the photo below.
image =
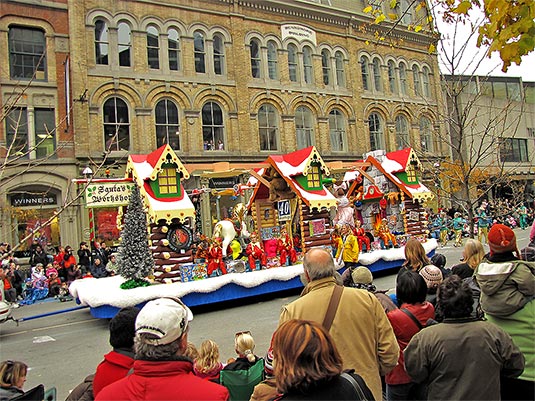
(135, 260)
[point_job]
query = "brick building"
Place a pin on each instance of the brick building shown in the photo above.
(236, 81)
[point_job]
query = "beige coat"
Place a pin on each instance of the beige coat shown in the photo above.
(360, 329)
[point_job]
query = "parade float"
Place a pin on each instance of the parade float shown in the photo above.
(290, 211)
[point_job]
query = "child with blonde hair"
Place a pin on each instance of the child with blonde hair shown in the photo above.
(207, 365)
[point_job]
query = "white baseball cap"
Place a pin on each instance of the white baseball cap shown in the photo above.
(165, 318)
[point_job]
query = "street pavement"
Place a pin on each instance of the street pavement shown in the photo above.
(62, 349)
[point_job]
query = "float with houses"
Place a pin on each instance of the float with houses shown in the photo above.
(292, 208)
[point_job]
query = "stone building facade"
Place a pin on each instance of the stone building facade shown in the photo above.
(237, 80)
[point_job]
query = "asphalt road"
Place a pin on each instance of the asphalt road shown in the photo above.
(62, 349)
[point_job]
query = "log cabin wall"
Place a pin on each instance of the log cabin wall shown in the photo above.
(414, 218)
(306, 216)
(166, 261)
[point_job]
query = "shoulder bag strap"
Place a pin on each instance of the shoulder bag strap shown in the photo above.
(333, 306)
(355, 384)
(413, 318)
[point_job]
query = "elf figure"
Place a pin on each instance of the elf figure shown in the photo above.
(255, 252)
(385, 234)
(285, 248)
(215, 258)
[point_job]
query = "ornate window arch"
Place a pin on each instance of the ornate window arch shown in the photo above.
(365, 71)
(173, 49)
(376, 130)
(272, 60)
(326, 66)
(377, 78)
(308, 67)
(426, 85)
(402, 132)
(213, 126)
(426, 135)
(403, 78)
(199, 51)
(392, 77)
(337, 130)
(153, 47)
(304, 127)
(256, 58)
(219, 54)
(116, 120)
(293, 70)
(340, 71)
(102, 42)
(124, 44)
(416, 80)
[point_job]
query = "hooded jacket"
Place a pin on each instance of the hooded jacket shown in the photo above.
(507, 284)
(163, 380)
(115, 366)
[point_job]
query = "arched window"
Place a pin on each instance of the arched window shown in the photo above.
(153, 47)
(337, 130)
(219, 55)
(124, 34)
(268, 127)
(167, 126)
(402, 132)
(307, 65)
(403, 78)
(377, 79)
(365, 70)
(212, 127)
(304, 127)
(392, 78)
(101, 42)
(292, 62)
(273, 69)
(340, 72)
(256, 61)
(116, 125)
(426, 135)
(27, 53)
(173, 46)
(375, 126)
(326, 66)
(416, 79)
(199, 52)
(425, 82)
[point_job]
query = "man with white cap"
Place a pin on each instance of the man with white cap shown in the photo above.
(161, 370)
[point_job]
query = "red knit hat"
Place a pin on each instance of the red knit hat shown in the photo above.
(502, 239)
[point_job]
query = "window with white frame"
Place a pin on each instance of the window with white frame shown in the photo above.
(219, 54)
(116, 120)
(337, 130)
(514, 150)
(167, 125)
(426, 85)
(27, 53)
(199, 52)
(292, 63)
(402, 132)
(173, 49)
(268, 127)
(340, 71)
(101, 42)
(272, 59)
(376, 130)
(153, 47)
(426, 135)
(304, 127)
(256, 59)
(17, 132)
(365, 71)
(326, 66)
(124, 42)
(213, 127)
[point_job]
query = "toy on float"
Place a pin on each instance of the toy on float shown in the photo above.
(344, 211)
(386, 236)
(215, 263)
(255, 253)
(362, 238)
(285, 249)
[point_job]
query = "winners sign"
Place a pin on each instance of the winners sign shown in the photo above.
(106, 194)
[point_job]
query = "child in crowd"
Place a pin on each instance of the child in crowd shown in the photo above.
(207, 365)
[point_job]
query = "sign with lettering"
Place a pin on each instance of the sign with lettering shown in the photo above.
(283, 208)
(108, 194)
(223, 182)
(29, 199)
(316, 227)
(298, 32)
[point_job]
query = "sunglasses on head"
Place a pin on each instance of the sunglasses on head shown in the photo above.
(239, 333)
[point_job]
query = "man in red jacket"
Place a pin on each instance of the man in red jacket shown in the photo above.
(119, 361)
(161, 370)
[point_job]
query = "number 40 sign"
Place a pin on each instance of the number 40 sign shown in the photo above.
(283, 207)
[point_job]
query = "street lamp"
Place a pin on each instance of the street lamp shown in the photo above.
(87, 173)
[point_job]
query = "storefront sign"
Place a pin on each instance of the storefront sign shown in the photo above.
(223, 182)
(298, 32)
(283, 208)
(29, 199)
(108, 194)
